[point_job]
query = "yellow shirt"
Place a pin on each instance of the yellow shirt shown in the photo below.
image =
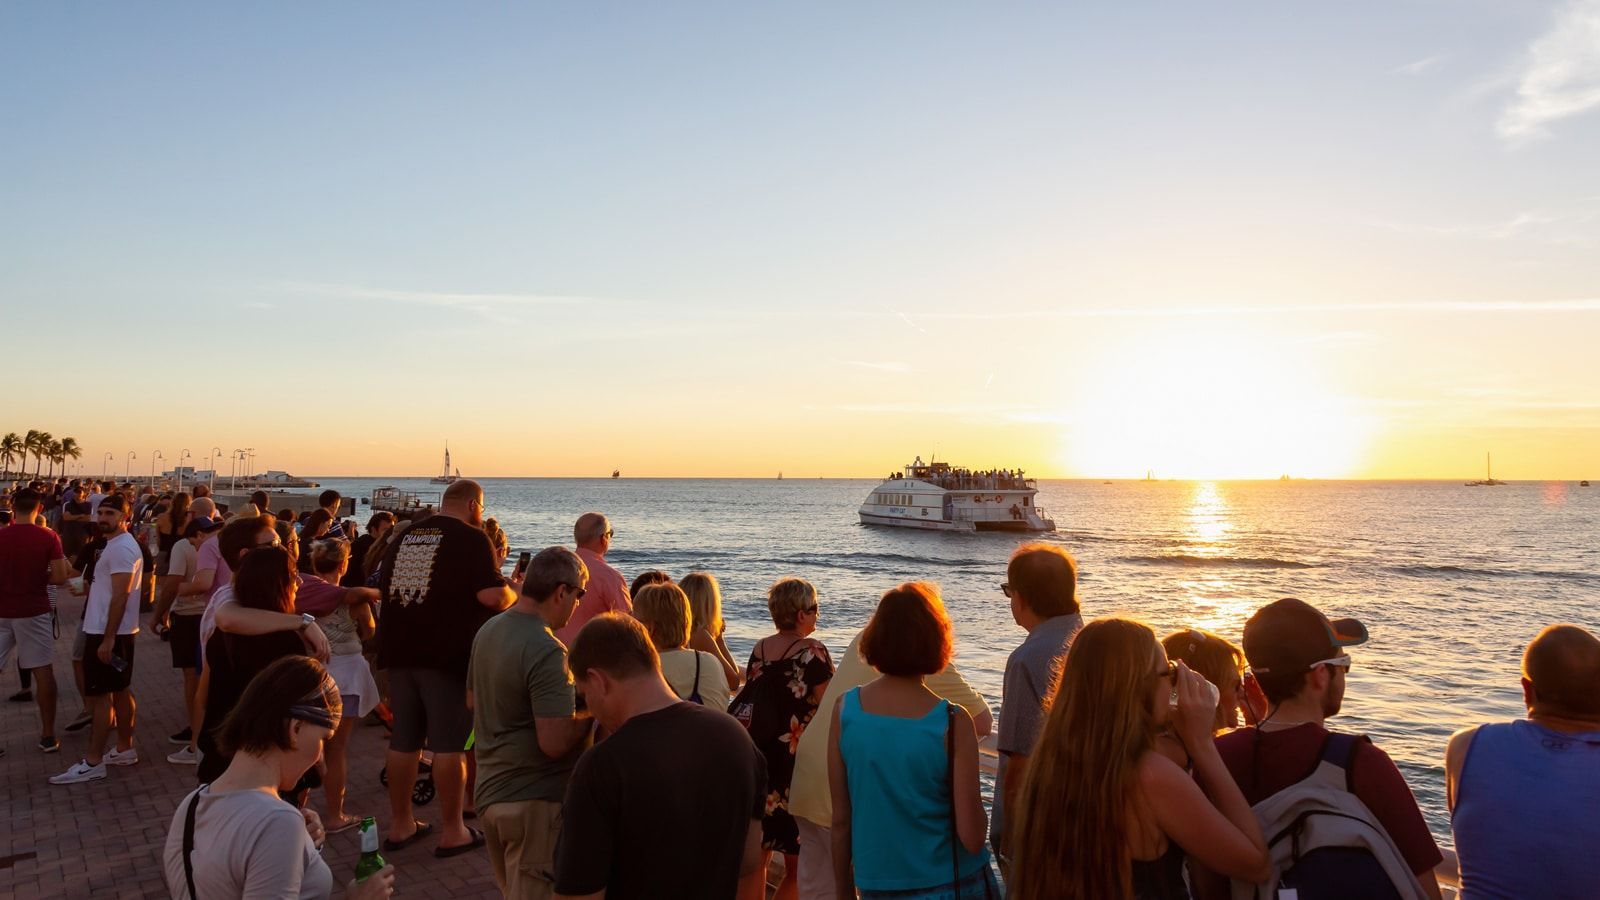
(808, 791)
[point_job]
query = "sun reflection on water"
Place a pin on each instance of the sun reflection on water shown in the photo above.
(1216, 601)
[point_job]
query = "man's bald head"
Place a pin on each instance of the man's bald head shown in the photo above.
(591, 530)
(1561, 668)
(203, 506)
(463, 500)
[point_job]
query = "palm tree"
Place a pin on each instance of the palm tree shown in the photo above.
(69, 450)
(31, 445)
(41, 451)
(11, 448)
(57, 456)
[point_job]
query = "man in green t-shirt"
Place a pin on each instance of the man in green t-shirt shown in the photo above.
(528, 732)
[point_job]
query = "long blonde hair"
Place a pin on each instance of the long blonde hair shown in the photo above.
(705, 601)
(1070, 834)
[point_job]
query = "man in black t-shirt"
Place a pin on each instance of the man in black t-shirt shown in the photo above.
(670, 805)
(75, 524)
(441, 581)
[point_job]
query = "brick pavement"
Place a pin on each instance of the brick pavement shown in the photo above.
(104, 838)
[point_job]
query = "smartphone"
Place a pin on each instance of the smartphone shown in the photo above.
(118, 663)
(523, 559)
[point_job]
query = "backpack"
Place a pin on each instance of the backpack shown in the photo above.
(1323, 842)
(760, 705)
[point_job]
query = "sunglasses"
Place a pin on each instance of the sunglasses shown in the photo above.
(1170, 670)
(1005, 588)
(812, 609)
(580, 591)
(1341, 661)
(610, 533)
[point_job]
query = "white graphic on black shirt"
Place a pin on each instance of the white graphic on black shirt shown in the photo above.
(413, 567)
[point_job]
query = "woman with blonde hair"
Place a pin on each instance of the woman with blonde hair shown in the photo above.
(663, 610)
(1220, 662)
(705, 608)
(1102, 814)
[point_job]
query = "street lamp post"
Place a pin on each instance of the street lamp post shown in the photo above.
(154, 457)
(105, 465)
(211, 462)
(238, 456)
(182, 455)
(128, 477)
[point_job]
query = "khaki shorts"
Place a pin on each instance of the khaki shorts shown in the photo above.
(33, 637)
(522, 846)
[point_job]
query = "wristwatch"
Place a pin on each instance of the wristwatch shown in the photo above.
(306, 621)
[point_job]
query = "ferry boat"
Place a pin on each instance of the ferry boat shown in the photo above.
(939, 497)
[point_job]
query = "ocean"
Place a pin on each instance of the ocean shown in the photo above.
(1452, 581)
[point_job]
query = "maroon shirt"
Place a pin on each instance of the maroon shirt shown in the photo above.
(26, 552)
(1288, 756)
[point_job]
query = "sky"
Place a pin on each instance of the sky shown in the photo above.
(714, 239)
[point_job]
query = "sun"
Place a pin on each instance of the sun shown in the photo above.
(1214, 406)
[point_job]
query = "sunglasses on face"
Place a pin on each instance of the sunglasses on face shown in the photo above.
(1341, 661)
(1005, 588)
(578, 591)
(1167, 670)
(812, 609)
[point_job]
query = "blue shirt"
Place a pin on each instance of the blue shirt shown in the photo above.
(900, 827)
(1031, 673)
(1527, 815)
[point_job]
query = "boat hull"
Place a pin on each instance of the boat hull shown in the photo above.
(942, 525)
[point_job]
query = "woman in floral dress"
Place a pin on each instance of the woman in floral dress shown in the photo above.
(784, 681)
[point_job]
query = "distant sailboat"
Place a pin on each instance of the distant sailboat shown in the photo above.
(780, 476)
(446, 475)
(616, 473)
(1488, 474)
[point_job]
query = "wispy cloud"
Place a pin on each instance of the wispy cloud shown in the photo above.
(884, 366)
(489, 305)
(1576, 227)
(1420, 66)
(1561, 78)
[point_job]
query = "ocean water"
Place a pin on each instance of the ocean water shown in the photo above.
(1451, 581)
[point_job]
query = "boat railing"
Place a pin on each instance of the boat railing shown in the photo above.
(395, 500)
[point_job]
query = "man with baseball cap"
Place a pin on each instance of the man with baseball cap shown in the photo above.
(1298, 658)
(178, 608)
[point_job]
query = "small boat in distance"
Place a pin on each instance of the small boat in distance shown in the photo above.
(445, 476)
(616, 473)
(1488, 473)
(1583, 484)
(938, 497)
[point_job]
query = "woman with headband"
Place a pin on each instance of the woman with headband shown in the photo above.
(235, 837)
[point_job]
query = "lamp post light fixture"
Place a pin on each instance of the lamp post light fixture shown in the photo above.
(105, 465)
(128, 476)
(182, 455)
(154, 458)
(211, 463)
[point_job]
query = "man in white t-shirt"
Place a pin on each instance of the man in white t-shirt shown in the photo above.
(110, 622)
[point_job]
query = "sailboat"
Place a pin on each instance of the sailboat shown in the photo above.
(1488, 473)
(446, 476)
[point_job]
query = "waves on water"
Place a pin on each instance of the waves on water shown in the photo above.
(1217, 562)
(1469, 572)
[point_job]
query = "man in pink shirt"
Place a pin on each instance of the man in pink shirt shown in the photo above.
(607, 590)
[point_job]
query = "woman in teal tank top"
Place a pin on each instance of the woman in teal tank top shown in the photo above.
(908, 820)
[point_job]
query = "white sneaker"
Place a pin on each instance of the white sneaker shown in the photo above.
(80, 771)
(185, 757)
(122, 757)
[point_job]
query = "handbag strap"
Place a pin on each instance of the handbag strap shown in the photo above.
(694, 692)
(188, 843)
(950, 782)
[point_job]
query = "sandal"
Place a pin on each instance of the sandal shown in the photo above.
(345, 824)
(476, 842)
(423, 830)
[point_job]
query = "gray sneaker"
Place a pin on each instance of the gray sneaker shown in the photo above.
(126, 757)
(79, 772)
(184, 757)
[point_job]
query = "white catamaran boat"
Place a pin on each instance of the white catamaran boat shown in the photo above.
(446, 475)
(939, 497)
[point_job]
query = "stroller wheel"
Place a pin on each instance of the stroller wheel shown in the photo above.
(423, 792)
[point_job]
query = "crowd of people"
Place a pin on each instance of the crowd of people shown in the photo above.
(596, 738)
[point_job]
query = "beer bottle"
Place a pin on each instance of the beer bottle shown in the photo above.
(370, 861)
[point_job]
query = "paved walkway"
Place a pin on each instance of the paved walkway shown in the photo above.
(104, 839)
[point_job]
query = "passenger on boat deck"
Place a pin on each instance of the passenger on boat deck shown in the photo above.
(1042, 584)
(668, 806)
(608, 590)
(1101, 812)
(1524, 796)
(1299, 659)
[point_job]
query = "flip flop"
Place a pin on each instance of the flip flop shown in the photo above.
(348, 823)
(423, 830)
(476, 842)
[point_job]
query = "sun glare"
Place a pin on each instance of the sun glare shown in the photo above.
(1215, 407)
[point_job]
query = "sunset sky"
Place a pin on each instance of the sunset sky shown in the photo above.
(1212, 240)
